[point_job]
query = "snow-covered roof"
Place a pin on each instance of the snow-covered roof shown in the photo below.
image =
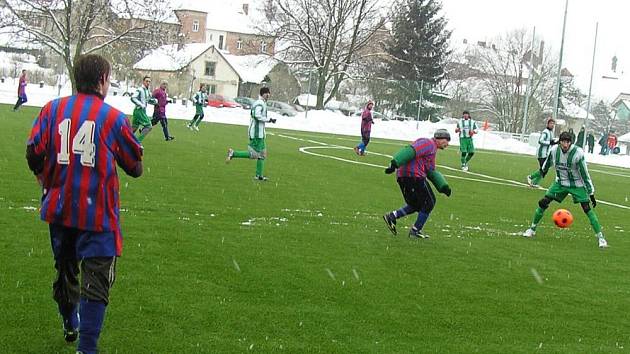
(625, 138)
(575, 111)
(251, 68)
(168, 58)
(225, 16)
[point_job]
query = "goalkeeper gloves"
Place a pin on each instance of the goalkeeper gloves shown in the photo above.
(392, 167)
(447, 191)
(272, 120)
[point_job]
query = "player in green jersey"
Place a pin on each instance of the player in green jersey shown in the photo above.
(199, 100)
(572, 177)
(257, 148)
(466, 128)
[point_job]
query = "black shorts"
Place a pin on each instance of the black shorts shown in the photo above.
(417, 193)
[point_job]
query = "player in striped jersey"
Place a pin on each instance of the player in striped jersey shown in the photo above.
(545, 142)
(466, 127)
(257, 148)
(414, 163)
(73, 149)
(199, 100)
(572, 177)
(142, 98)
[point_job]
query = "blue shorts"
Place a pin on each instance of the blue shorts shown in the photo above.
(87, 244)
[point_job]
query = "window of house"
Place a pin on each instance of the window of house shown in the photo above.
(210, 36)
(210, 68)
(239, 44)
(221, 41)
(195, 27)
(263, 47)
(212, 89)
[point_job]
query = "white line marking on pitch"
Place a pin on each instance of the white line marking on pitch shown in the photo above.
(504, 182)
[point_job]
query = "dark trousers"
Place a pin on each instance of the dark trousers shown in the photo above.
(157, 117)
(417, 193)
(19, 102)
(98, 277)
(590, 149)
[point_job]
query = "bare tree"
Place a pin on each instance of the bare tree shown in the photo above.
(333, 36)
(504, 65)
(70, 28)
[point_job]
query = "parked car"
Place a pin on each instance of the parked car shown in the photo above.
(116, 89)
(298, 108)
(281, 108)
(219, 101)
(246, 102)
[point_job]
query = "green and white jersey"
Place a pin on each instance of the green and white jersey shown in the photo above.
(258, 119)
(466, 126)
(141, 97)
(544, 142)
(200, 98)
(571, 168)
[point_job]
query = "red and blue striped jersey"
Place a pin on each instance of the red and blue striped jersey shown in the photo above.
(426, 149)
(83, 138)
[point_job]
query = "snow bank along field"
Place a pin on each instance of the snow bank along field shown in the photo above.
(215, 262)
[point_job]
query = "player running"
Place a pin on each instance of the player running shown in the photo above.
(545, 141)
(466, 127)
(199, 100)
(415, 163)
(142, 98)
(257, 148)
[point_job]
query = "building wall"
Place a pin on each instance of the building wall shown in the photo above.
(250, 44)
(225, 80)
(187, 18)
(282, 83)
(213, 36)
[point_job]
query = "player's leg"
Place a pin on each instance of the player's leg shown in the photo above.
(555, 192)
(98, 277)
(199, 119)
(426, 199)
(581, 196)
(365, 140)
(164, 123)
(66, 290)
(18, 103)
(407, 189)
(193, 121)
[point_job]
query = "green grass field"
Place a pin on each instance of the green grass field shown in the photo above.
(215, 262)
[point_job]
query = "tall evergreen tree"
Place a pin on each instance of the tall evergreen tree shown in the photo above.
(418, 48)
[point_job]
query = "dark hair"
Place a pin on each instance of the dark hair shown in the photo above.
(566, 136)
(264, 90)
(88, 71)
(442, 134)
(466, 112)
(146, 77)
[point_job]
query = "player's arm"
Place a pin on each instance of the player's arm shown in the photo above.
(135, 99)
(128, 152)
(35, 161)
(544, 139)
(588, 183)
(458, 129)
(258, 115)
(37, 142)
(547, 164)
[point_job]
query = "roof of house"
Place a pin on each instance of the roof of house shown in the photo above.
(169, 58)
(625, 138)
(251, 68)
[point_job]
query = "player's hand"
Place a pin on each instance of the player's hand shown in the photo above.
(471, 133)
(593, 200)
(390, 170)
(447, 191)
(553, 142)
(457, 130)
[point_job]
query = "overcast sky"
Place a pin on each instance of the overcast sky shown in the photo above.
(484, 19)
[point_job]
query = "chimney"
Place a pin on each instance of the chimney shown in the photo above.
(246, 8)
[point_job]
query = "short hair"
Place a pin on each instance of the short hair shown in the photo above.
(264, 90)
(566, 136)
(88, 71)
(146, 77)
(163, 82)
(442, 134)
(466, 112)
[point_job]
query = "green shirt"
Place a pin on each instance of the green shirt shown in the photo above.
(200, 98)
(141, 97)
(258, 119)
(544, 142)
(571, 168)
(466, 126)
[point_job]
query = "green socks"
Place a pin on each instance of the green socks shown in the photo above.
(260, 166)
(463, 158)
(592, 217)
(538, 214)
(241, 154)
